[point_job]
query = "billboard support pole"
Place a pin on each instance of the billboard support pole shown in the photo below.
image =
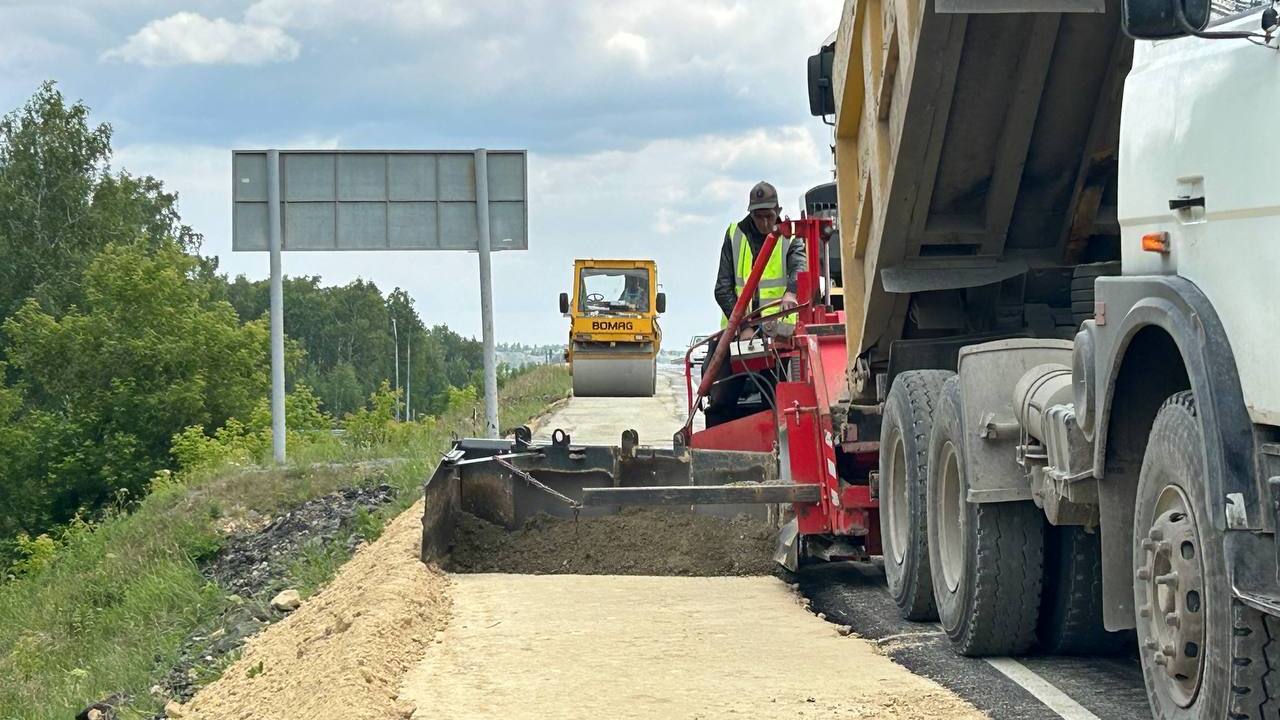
(486, 294)
(277, 307)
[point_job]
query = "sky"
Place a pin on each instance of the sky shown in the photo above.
(646, 122)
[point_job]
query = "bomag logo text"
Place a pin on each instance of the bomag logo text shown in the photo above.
(612, 325)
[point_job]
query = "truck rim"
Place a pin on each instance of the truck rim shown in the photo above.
(1171, 611)
(898, 514)
(950, 518)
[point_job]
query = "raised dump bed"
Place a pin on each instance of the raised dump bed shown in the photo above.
(975, 151)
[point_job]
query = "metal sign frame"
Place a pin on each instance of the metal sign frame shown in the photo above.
(371, 200)
(378, 200)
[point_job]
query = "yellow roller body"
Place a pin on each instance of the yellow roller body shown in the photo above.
(614, 337)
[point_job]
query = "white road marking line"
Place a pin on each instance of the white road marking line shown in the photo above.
(1043, 690)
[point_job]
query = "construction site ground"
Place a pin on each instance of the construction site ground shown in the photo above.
(390, 637)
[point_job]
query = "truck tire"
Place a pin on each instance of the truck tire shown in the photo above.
(987, 558)
(904, 449)
(1071, 601)
(1082, 279)
(1204, 655)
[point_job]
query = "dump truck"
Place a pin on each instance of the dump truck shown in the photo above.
(1058, 276)
(614, 336)
(1030, 369)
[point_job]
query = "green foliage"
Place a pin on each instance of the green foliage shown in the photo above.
(246, 443)
(108, 384)
(35, 554)
(60, 203)
(372, 425)
(110, 609)
(347, 333)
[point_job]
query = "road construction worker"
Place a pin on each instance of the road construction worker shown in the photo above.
(742, 241)
(635, 293)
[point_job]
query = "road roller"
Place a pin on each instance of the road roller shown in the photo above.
(614, 335)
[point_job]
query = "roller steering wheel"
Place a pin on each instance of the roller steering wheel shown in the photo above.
(595, 297)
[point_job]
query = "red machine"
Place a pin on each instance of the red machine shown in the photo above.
(805, 366)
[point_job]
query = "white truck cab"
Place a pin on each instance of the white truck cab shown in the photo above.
(1196, 131)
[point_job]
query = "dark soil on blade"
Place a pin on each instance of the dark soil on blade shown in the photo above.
(634, 542)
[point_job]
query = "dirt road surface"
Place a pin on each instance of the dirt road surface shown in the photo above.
(392, 638)
(601, 420)
(573, 646)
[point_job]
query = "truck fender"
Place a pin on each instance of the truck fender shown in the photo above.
(1157, 336)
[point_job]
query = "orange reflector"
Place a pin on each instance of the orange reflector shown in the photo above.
(1156, 242)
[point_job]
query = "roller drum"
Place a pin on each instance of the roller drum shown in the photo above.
(616, 376)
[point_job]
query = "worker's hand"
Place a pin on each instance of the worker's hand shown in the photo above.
(789, 301)
(746, 333)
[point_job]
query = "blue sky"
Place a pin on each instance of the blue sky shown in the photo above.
(646, 122)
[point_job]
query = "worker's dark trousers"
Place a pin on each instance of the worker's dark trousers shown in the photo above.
(723, 397)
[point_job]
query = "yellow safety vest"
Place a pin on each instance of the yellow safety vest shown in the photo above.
(773, 281)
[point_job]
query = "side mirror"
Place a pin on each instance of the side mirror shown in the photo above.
(822, 99)
(662, 303)
(564, 303)
(1161, 19)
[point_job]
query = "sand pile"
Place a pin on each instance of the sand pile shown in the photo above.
(344, 652)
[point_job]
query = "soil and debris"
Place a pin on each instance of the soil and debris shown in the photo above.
(251, 564)
(638, 541)
(252, 567)
(344, 651)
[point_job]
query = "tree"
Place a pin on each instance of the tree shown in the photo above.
(60, 204)
(149, 352)
(346, 332)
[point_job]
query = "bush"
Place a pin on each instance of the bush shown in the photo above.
(238, 443)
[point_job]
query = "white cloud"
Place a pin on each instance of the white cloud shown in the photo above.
(401, 16)
(628, 45)
(191, 39)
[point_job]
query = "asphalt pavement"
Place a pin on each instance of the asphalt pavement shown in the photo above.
(1077, 688)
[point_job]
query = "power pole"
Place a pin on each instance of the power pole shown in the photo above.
(395, 335)
(276, 245)
(408, 377)
(486, 295)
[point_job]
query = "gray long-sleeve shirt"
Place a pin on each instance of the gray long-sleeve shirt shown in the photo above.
(726, 285)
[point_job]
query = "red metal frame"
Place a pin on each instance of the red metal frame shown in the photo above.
(801, 427)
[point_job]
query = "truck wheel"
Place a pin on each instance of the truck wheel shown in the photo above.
(1071, 602)
(1203, 654)
(987, 558)
(904, 448)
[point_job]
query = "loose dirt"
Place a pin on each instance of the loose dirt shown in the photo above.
(344, 652)
(521, 647)
(635, 542)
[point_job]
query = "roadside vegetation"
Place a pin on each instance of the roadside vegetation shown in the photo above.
(134, 424)
(103, 608)
(116, 334)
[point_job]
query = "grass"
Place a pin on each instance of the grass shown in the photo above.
(111, 612)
